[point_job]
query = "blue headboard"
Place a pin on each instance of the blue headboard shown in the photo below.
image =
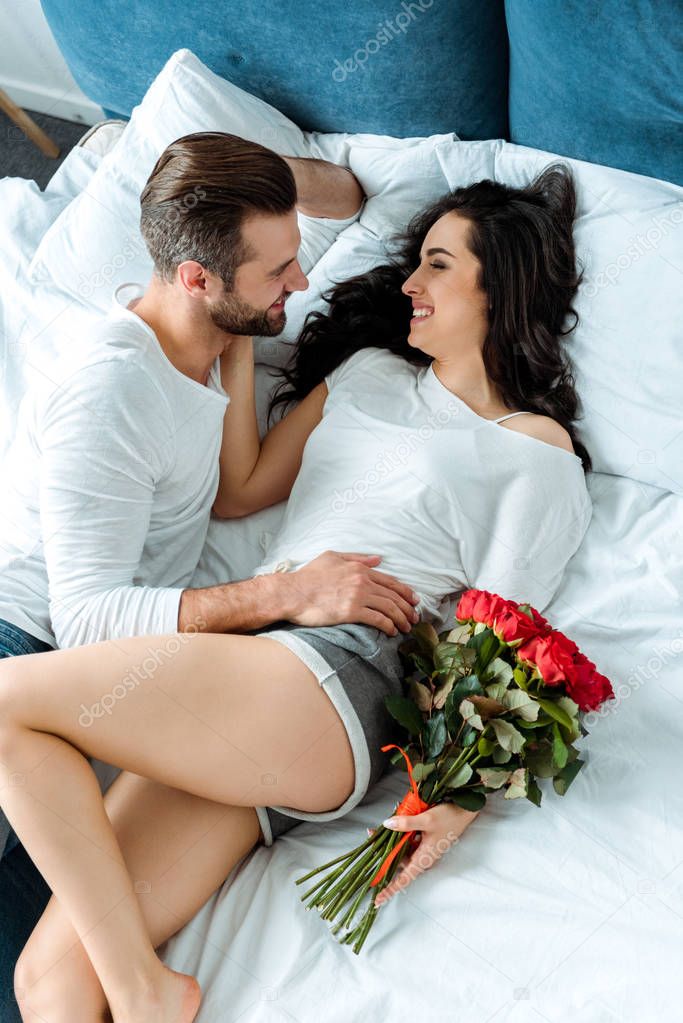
(598, 80)
(392, 67)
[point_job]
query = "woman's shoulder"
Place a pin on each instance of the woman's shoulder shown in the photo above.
(543, 428)
(363, 361)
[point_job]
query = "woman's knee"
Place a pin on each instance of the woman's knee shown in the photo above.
(45, 989)
(27, 974)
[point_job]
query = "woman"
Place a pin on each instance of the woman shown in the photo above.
(446, 440)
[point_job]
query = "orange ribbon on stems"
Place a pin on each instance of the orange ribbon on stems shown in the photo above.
(411, 805)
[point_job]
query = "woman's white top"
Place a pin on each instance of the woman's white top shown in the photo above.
(108, 488)
(401, 467)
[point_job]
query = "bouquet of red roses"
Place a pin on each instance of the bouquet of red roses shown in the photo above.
(491, 705)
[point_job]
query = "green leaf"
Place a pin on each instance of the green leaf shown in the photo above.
(563, 780)
(422, 771)
(426, 637)
(486, 746)
(468, 737)
(543, 721)
(521, 703)
(469, 713)
(453, 659)
(421, 696)
(405, 712)
(539, 759)
(460, 634)
(499, 671)
(461, 777)
(501, 756)
(423, 664)
(566, 703)
(442, 692)
(507, 735)
(493, 777)
(468, 800)
(556, 712)
(486, 644)
(496, 691)
(467, 686)
(435, 735)
(533, 792)
(572, 754)
(520, 678)
(464, 687)
(559, 749)
(518, 784)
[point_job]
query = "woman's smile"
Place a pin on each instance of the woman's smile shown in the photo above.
(420, 314)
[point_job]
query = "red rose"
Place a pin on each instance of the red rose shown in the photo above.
(465, 608)
(542, 623)
(512, 625)
(551, 655)
(586, 686)
(559, 661)
(481, 606)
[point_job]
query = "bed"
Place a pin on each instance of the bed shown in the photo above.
(571, 912)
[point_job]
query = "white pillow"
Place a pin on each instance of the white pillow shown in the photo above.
(96, 244)
(628, 345)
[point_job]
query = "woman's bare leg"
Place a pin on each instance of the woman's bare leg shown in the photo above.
(235, 719)
(178, 849)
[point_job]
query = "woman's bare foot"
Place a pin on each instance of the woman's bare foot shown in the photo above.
(175, 999)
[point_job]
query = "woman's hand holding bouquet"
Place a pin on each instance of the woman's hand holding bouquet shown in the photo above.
(492, 705)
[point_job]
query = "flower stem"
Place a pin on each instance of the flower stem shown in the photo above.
(344, 856)
(347, 886)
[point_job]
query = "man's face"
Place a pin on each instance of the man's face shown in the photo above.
(256, 302)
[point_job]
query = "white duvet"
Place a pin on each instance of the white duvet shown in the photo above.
(571, 912)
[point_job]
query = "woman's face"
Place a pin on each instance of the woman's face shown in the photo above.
(450, 312)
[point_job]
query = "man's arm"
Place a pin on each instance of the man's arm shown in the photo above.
(332, 589)
(325, 189)
(235, 607)
(106, 438)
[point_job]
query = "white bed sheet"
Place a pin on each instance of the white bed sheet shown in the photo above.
(571, 912)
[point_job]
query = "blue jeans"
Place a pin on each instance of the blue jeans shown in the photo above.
(23, 891)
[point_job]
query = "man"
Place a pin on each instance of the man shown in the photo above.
(115, 466)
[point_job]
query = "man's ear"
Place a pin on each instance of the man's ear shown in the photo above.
(198, 282)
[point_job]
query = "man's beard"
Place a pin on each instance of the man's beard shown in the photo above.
(235, 316)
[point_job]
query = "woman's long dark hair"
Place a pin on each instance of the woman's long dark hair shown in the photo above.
(523, 240)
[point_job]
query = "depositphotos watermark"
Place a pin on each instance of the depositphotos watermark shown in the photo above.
(421, 861)
(145, 671)
(639, 246)
(641, 674)
(391, 460)
(388, 30)
(134, 246)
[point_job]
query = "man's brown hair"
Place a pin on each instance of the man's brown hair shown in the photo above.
(196, 199)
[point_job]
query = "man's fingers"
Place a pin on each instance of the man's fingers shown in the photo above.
(390, 582)
(357, 557)
(389, 607)
(397, 600)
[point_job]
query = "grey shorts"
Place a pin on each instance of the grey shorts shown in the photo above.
(357, 666)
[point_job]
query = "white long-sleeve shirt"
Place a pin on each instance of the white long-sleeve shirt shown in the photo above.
(401, 467)
(108, 488)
